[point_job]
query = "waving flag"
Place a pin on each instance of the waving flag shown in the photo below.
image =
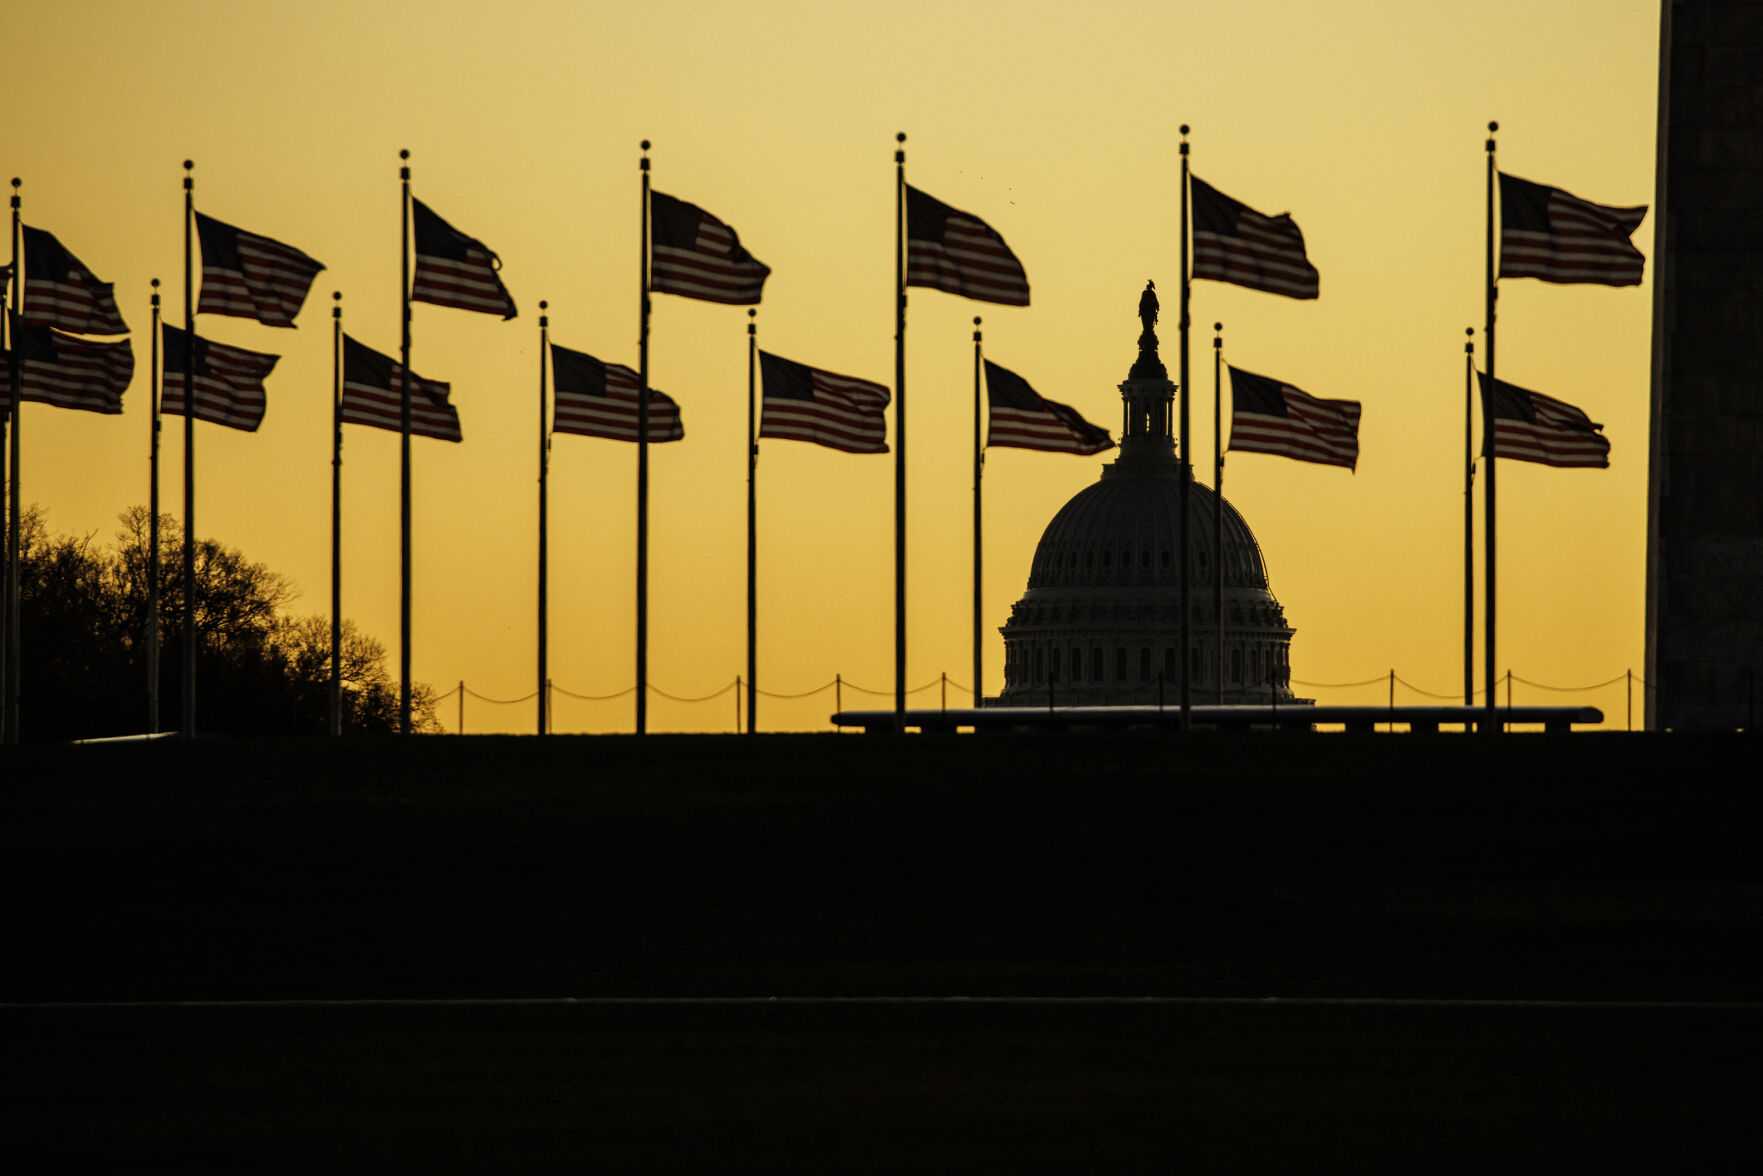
(1020, 418)
(597, 399)
(58, 369)
(226, 382)
(949, 250)
(251, 276)
(455, 270)
(1234, 243)
(802, 403)
(1555, 236)
(1270, 416)
(59, 291)
(372, 396)
(1529, 426)
(695, 255)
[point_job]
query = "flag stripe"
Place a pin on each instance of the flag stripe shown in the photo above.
(227, 383)
(82, 375)
(453, 269)
(1021, 418)
(269, 281)
(840, 412)
(1554, 236)
(1310, 429)
(1529, 426)
(1234, 243)
(59, 291)
(952, 251)
(372, 396)
(713, 267)
(614, 416)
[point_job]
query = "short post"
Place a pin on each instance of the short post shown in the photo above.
(1392, 702)
(1630, 689)
(462, 706)
(1508, 721)
(838, 692)
(945, 690)
(737, 704)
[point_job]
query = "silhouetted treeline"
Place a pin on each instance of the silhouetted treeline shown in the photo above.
(84, 614)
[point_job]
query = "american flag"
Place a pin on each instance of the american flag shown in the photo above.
(946, 249)
(802, 403)
(1022, 419)
(694, 254)
(597, 399)
(251, 276)
(372, 396)
(1529, 426)
(227, 382)
(1270, 416)
(1234, 243)
(64, 371)
(61, 292)
(455, 270)
(1553, 235)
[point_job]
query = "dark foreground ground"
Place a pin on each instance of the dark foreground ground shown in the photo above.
(1488, 953)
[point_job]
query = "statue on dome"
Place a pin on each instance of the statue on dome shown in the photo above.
(1148, 307)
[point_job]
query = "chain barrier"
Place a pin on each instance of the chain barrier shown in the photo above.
(1070, 694)
(704, 698)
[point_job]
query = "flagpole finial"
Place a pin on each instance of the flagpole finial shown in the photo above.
(1217, 336)
(403, 153)
(900, 152)
(976, 338)
(189, 174)
(643, 165)
(752, 327)
(1469, 343)
(1492, 127)
(155, 291)
(544, 319)
(336, 304)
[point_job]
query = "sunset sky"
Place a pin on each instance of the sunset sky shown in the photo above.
(1056, 123)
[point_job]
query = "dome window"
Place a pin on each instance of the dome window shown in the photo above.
(1145, 558)
(1166, 559)
(1089, 559)
(1107, 559)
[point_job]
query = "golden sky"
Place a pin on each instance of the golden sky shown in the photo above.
(1054, 122)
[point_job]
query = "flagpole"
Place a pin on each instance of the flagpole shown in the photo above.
(544, 522)
(643, 459)
(153, 395)
(752, 531)
(9, 712)
(1469, 518)
(979, 459)
(900, 435)
(191, 637)
(336, 707)
(404, 446)
(1490, 718)
(1218, 501)
(1187, 465)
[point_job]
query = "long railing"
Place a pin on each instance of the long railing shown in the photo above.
(1389, 686)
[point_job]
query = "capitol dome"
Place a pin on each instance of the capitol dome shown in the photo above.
(1100, 623)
